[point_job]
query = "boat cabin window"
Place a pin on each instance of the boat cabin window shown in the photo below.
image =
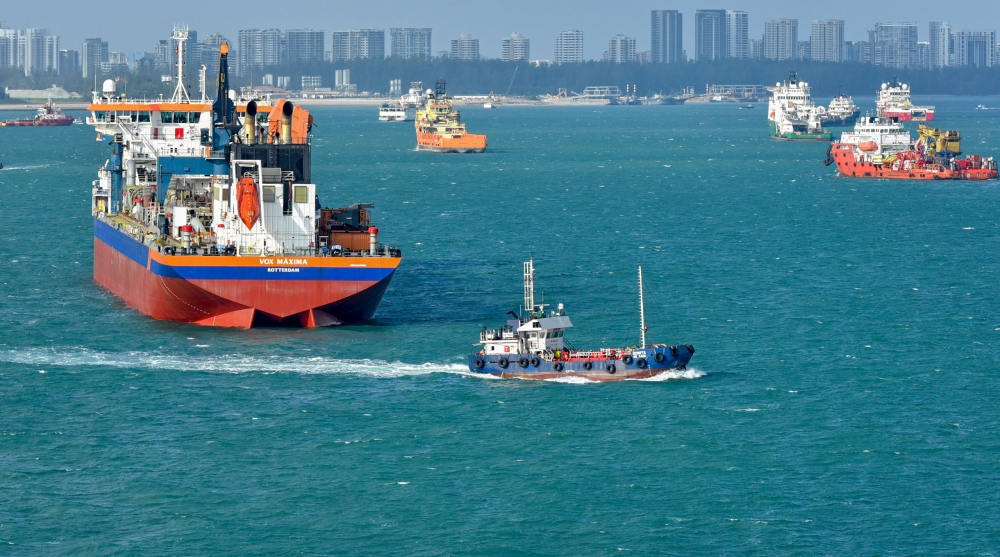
(194, 117)
(268, 194)
(101, 116)
(167, 117)
(300, 194)
(143, 116)
(180, 117)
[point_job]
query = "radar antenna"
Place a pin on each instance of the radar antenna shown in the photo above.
(180, 35)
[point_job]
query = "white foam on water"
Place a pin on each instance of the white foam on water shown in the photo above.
(572, 380)
(232, 363)
(673, 375)
(26, 167)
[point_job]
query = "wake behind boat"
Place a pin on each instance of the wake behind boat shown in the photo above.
(534, 347)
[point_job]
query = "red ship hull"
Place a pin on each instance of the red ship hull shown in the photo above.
(38, 123)
(848, 165)
(904, 116)
(228, 291)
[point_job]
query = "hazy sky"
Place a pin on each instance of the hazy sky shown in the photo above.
(135, 25)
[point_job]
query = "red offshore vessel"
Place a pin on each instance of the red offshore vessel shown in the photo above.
(207, 214)
(879, 148)
(893, 101)
(48, 115)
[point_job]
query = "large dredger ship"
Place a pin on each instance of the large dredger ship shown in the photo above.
(206, 213)
(440, 128)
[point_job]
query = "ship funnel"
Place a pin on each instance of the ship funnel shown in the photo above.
(286, 122)
(250, 124)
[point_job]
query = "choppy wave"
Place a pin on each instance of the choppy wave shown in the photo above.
(26, 167)
(231, 363)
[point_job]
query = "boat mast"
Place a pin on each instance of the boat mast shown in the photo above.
(642, 312)
(529, 286)
(180, 92)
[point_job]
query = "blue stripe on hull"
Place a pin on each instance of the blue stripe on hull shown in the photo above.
(121, 242)
(491, 363)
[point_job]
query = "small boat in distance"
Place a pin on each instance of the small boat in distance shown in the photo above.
(791, 113)
(842, 111)
(48, 115)
(746, 106)
(405, 109)
(893, 101)
(534, 347)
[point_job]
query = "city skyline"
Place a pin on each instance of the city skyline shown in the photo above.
(489, 23)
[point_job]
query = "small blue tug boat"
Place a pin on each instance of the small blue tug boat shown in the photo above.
(534, 347)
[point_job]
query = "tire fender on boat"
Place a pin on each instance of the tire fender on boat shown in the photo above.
(503, 363)
(587, 366)
(480, 363)
(627, 359)
(535, 362)
(641, 363)
(523, 362)
(674, 351)
(610, 368)
(557, 366)
(690, 348)
(659, 357)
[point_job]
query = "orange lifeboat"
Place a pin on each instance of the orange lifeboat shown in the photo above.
(868, 146)
(248, 200)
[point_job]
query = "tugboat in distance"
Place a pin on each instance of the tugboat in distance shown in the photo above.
(534, 347)
(440, 128)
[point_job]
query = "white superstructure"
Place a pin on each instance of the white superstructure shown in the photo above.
(791, 110)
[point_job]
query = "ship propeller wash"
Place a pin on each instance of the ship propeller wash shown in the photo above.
(206, 213)
(534, 347)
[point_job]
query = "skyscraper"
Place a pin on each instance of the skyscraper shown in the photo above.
(210, 51)
(894, 45)
(975, 48)
(410, 42)
(93, 53)
(305, 45)
(515, 47)
(36, 51)
(358, 43)
(69, 62)
(738, 36)
(711, 41)
(667, 36)
(781, 39)
(940, 44)
(569, 47)
(621, 49)
(826, 44)
(465, 47)
(259, 48)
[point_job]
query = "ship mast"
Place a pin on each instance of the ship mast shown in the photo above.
(180, 93)
(529, 286)
(642, 312)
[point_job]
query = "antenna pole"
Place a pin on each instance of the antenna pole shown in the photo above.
(529, 285)
(642, 312)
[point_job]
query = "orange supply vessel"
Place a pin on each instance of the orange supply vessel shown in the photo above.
(880, 148)
(440, 128)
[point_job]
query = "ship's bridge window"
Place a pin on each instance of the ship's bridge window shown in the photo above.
(194, 117)
(167, 117)
(143, 116)
(101, 116)
(180, 117)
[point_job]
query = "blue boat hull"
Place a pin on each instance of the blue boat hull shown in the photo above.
(636, 364)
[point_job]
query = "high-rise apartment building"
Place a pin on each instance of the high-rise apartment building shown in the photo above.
(826, 44)
(465, 47)
(31, 50)
(755, 49)
(515, 47)
(569, 47)
(92, 55)
(358, 43)
(69, 62)
(711, 40)
(667, 36)
(259, 48)
(940, 45)
(621, 49)
(210, 51)
(975, 48)
(781, 37)
(854, 50)
(410, 42)
(305, 45)
(894, 45)
(738, 36)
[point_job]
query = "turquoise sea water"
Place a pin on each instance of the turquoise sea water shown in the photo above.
(843, 399)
